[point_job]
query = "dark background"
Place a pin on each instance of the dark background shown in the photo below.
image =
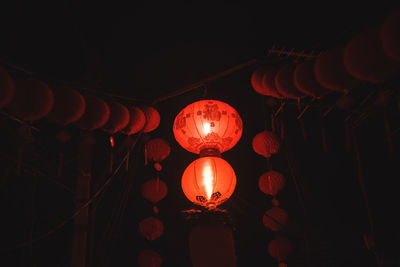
(146, 50)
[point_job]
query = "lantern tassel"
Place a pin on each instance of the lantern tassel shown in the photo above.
(323, 136)
(127, 161)
(111, 163)
(155, 209)
(303, 129)
(388, 132)
(145, 156)
(348, 137)
(19, 159)
(60, 164)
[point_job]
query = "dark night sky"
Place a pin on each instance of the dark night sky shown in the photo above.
(147, 50)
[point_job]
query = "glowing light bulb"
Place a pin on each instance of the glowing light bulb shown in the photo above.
(208, 180)
(207, 128)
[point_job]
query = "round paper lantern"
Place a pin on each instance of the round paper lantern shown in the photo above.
(119, 118)
(208, 181)
(6, 88)
(266, 143)
(151, 228)
(157, 149)
(32, 99)
(149, 258)
(263, 81)
(208, 125)
(271, 182)
(331, 73)
(275, 219)
(390, 35)
(154, 190)
(152, 119)
(212, 245)
(306, 82)
(96, 114)
(280, 248)
(69, 106)
(365, 59)
(285, 84)
(136, 122)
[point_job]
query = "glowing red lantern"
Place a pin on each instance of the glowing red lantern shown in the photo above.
(152, 119)
(390, 35)
(331, 73)
(280, 248)
(32, 99)
(208, 181)
(69, 106)
(208, 125)
(266, 143)
(157, 149)
(306, 82)
(212, 245)
(154, 190)
(365, 59)
(263, 81)
(137, 121)
(151, 228)
(96, 114)
(149, 258)
(285, 84)
(271, 182)
(6, 88)
(275, 219)
(119, 118)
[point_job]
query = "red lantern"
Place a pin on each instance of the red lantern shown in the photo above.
(306, 82)
(208, 181)
(275, 219)
(69, 106)
(285, 84)
(152, 119)
(32, 99)
(331, 73)
(266, 143)
(390, 35)
(96, 114)
(149, 258)
(208, 125)
(151, 228)
(263, 81)
(137, 121)
(157, 149)
(6, 88)
(212, 245)
(280, 248)
(154, 190)
(365, 59)
(119, 118)
(271, 182)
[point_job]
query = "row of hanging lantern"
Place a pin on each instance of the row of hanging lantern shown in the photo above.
(30, 99)
(271, 182)
(370, 56)
(154, 189)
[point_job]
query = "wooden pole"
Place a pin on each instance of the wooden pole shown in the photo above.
(82, 195)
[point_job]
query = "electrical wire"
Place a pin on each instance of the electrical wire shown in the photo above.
(77, 212)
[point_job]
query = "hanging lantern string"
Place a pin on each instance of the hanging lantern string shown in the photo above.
(76, 213)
